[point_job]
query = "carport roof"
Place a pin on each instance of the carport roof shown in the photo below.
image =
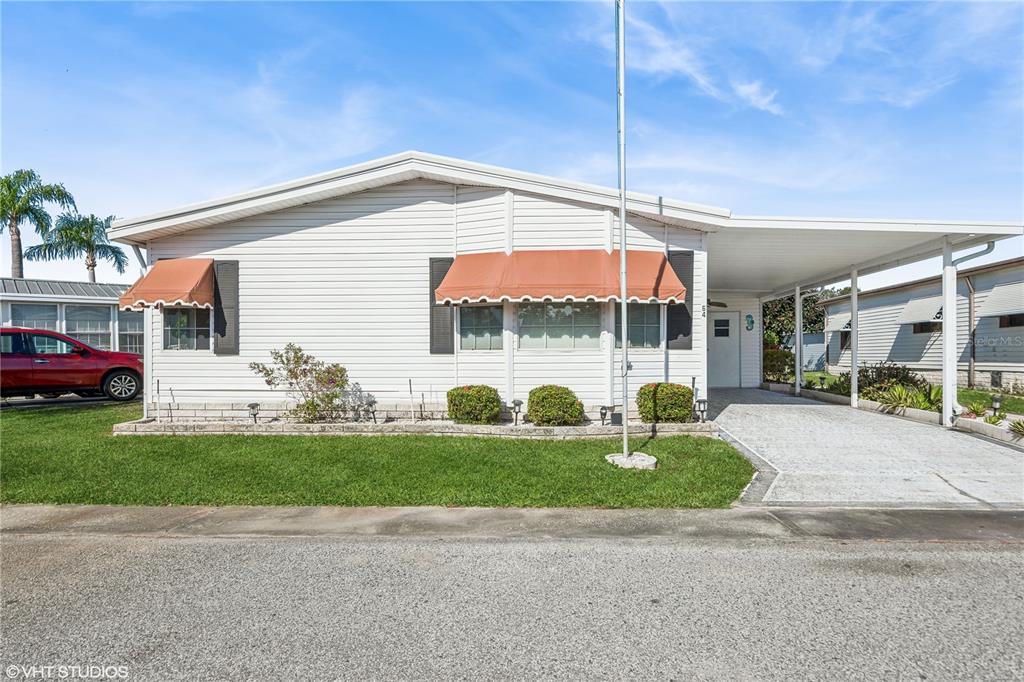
(18, 287)
(763, 255)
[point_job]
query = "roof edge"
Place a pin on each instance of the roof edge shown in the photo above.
(978, 269)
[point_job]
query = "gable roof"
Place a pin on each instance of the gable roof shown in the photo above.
(17, 287)
(402, 167)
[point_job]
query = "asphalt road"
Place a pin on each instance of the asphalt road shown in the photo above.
(419, 607)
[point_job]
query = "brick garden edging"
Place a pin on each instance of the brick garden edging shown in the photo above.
(152, 427)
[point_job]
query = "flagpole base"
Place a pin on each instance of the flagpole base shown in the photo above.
(635, 460)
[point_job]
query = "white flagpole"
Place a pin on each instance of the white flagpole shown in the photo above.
(620, 54)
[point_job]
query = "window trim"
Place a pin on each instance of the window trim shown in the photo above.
(599, 348)
(163, 314)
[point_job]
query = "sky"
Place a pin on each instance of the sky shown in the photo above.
(895, 110)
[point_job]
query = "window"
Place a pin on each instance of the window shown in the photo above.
(559, 325)
(50, 345)
(722, 327)
(844, 340)
(480, 327)
(34, 315)
(186, 329)
(130, 336)
(644, 325)
(1011, 321)
(89, 324)
(927, 327)
(12, 344)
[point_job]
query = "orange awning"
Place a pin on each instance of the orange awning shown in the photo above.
(573, 275)
(173, 282)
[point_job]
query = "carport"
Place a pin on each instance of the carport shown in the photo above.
(813, 453)
(776, 257)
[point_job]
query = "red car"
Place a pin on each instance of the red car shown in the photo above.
(38, 361)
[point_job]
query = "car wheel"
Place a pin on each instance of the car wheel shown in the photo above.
(121, 385)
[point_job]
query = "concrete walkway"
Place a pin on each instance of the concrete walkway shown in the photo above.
(834, 455)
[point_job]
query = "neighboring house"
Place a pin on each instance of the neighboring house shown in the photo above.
(814, 350)
(419, 273)
(83, 310)
(902, 324)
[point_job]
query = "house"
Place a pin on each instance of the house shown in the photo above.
(420, 272)
(902, 324)
(86, 311)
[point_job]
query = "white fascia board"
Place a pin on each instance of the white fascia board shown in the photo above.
(878, 225)
(394, 169)
(892, 260)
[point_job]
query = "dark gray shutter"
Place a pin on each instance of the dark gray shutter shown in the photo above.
(225, 307)
(679, 323)
(442, 317)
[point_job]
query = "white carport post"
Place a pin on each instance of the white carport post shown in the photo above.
(798, 306)
(948, 334)
(854, 378)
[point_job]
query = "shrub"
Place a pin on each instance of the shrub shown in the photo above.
(551, 405)
(665, 403)
(977, 407)
(995, 419)
(778, 364)
(317, 387)
(1017, 428)
(474, 405)
(888, 373)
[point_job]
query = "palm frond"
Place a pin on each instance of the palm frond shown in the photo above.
(114, 254)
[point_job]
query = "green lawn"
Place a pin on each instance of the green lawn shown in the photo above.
(67, 455)
(814, 376)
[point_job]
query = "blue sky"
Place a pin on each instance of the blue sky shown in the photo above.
(870, 110)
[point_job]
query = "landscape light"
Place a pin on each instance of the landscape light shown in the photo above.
(254, 409)
(517, 405)
(997, 402)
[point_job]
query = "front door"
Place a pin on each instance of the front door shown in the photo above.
(724, 349)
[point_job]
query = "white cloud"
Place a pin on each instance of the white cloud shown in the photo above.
(754, 94)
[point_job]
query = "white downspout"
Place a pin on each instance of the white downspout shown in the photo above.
(854, 377)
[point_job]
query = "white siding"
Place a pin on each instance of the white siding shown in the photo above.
(882, 339)
(995, 348)
(347, 280)
(542, 223)
(750, 340)
(481, 219)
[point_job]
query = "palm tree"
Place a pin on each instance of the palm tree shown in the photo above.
(80, 235)
(22, 200)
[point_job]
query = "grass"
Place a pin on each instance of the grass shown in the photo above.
(814, 376)
(1011, 403)
(68, 455)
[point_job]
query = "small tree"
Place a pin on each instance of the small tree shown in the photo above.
(23, 199)
(317, 387)
(76, 236)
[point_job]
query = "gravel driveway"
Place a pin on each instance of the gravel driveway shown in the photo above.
(834, 455)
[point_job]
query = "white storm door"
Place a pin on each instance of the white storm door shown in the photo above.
(724, 349)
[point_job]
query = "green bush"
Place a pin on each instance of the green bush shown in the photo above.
(778, 364)
(551, 405)
(474, 405)
(665, 403)
(317, 387)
